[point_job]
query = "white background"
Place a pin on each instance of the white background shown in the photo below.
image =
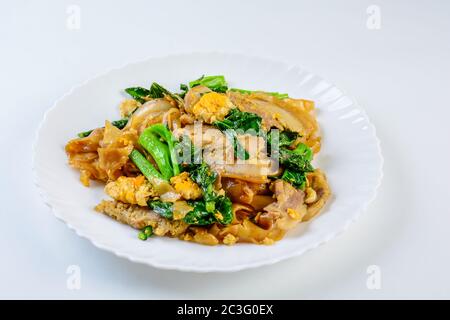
(400, 74)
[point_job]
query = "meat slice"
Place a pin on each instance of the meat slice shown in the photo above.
(243, 191)
(140, 217)
(289, 209)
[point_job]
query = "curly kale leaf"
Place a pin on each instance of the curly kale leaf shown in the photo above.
(296, 178)
(223, 206)
(296, 163)
(164, 209)
(199, 215)
(138, 93)
(205, 178)
(212, 207)
(285, 138)
(239, 121)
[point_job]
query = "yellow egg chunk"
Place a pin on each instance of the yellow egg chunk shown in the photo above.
(211, 107)
(132, 190)
(184, 185)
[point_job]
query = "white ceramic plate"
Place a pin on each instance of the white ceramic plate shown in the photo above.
(350, 157)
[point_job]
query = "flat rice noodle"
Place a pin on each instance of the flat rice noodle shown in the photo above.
(318, 181)
(82, 154)
(115, 149)
(242, 191)
(151, 112)
(259, 202)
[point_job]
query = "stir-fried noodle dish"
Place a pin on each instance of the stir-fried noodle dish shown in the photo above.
(209, 164)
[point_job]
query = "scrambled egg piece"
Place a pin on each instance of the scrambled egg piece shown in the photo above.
(132, 190)
(184, 185)
(229, 239)
(212, 106)
(128, 106)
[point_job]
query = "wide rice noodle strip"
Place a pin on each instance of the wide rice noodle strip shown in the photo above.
(245, 177)
(83, 156)
(259, 202)
(245, 230)
(115, 149)
(318, 182)
(101, 155)
(244, 192)
(171, 118)
(151, 112)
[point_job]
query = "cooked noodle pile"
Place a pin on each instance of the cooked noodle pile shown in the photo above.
(211, 165)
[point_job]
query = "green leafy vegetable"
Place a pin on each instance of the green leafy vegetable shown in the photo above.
(199, 215)
(296, 163)
(286, 138)
(156, 91)
(298, 159)
(238, 120)
(275, 94)
(164, 209)
(120, 124)
(138, 93)
(223, 205)
(205, 178)
(147, 169)
(304, 151)
(296, 178)
(215, 83)
(212, 207)
(280, 139)
(84, 134)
